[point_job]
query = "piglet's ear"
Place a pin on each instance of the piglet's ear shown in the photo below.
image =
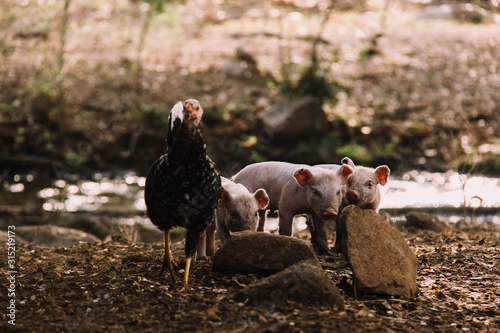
(262, 198)
(302, 176)
(225, 198)
(347, 161)
(382, 173)
(344, 172)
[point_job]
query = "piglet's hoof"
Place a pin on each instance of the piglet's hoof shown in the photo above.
(321, 248)
(337, 248)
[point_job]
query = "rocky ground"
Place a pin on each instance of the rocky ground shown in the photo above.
(114, 287)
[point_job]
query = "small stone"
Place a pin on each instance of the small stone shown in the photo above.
(302, 282)
(261, 253)
(421, 220)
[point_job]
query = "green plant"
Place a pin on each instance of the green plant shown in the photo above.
(365, 53)
(152, 116)
(357, 153)
(312, 81)
(329, 142)
(379, 103)
(75, 160)
(495, 161)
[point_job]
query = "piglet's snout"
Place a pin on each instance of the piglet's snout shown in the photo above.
(352, 197)
(329, 214)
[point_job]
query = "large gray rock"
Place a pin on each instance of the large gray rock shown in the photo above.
(104, 227)
(51, 235)
(421, 220)
(151, 234)
(4, 237)
(302, 282)
(380, 258)
(261, 253)
(243, 66)
(296, 118)
(94, 224)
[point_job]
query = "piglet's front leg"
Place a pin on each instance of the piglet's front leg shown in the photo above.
(285, 223)
(317, 228)
(262, 219)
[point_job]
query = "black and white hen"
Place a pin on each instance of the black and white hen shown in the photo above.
(183, 186)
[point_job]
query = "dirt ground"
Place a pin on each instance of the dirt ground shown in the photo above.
(115, 287)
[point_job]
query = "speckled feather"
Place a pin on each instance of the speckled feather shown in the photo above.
(183, 186)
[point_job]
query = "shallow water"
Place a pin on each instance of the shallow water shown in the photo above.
(423, 189)
(445, 192)
(125, 194)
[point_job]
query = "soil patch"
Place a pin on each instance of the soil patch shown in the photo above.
(114, 287)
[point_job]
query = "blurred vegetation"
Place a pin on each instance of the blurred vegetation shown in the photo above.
(91, 84)
(313, 79)
(152, 116)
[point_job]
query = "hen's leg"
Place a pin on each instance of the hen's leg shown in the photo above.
(185, 285)
(167, 257)
(192, 239)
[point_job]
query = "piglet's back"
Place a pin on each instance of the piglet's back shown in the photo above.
(271, 176)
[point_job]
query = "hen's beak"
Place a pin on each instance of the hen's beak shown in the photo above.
(191, 114)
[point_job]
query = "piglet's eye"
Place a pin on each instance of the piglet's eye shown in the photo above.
(369, 185)
(315, 192)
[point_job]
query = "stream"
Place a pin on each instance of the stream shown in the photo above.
(122, 195)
